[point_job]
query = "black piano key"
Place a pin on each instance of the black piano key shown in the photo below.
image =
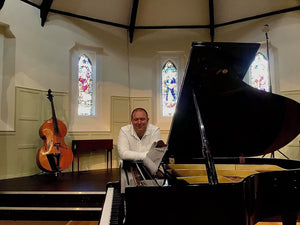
(117, 208)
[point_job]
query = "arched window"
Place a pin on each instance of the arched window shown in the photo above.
(86, 87)
(259, 73)
(86, 111)
(169, 88)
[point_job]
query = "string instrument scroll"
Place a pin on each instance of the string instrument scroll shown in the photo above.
(54, 155)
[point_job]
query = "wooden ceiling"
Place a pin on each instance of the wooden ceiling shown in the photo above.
(163, 14)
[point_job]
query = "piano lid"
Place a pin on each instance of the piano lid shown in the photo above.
(239, 120)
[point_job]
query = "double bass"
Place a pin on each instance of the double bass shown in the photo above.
(54, 155)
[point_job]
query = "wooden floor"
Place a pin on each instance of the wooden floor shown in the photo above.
(48, 222)
(85, 223)
(94, 180)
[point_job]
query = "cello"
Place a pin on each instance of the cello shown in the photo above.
(54, 155)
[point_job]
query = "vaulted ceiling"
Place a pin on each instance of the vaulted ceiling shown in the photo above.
(164, 14)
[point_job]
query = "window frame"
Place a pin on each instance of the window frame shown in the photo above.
(85, 123)
(267, 77)
(93, 86)
(177, 87)
(179, 59)
(273, 57)
(7, 78)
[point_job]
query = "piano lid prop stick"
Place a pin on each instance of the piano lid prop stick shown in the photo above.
(210, 166)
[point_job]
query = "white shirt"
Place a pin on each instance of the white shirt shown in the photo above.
(131, 147)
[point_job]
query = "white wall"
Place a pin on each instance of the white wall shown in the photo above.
(42, 53)
(7, 80)
(145, 53)
(43, 59)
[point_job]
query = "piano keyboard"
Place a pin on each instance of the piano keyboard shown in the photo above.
(112, 211)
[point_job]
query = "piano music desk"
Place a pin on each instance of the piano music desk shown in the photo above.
(85, 146)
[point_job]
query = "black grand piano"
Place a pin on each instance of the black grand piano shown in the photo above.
(219, 132)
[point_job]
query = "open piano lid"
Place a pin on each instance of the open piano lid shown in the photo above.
(238, 119)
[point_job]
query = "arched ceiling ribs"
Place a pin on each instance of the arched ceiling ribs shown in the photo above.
(136, 16)
(44, 10)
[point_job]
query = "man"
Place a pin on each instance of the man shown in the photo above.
(136, 139)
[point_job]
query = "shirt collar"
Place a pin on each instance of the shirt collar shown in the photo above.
(133, 133)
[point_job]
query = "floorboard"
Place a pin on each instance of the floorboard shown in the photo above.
(93, 180)
(6, 222)
(68, 196)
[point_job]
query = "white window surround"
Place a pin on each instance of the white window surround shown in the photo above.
(85, 123)
(7, 78)
(179, 59)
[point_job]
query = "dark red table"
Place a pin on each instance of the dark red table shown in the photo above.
(85, 146)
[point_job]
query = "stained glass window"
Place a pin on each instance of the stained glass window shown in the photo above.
(259, 73)
(169, 88)
(86, 87)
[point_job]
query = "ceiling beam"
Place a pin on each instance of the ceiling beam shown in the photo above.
(211, 20)
(131, 28)
(44, 10)
(259, 16)
(1, 3)
(212, 26)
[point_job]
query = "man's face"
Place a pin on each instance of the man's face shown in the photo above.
(139, 122)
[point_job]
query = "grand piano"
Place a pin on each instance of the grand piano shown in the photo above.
(221, 129)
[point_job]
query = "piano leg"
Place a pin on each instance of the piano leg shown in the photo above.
(289, 219)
